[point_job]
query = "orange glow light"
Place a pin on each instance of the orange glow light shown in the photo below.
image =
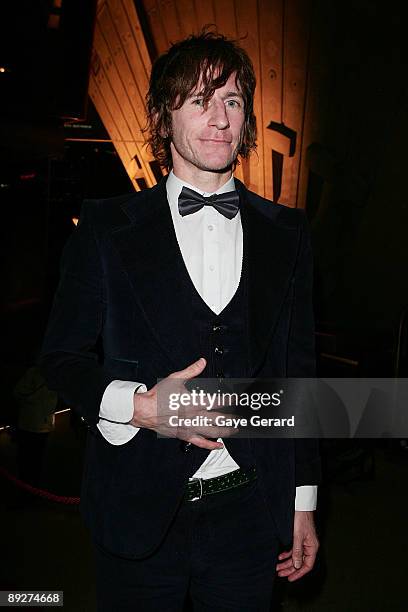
(75, 220)
(53, 22)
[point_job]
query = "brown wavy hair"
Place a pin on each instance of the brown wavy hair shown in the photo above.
(175, 75)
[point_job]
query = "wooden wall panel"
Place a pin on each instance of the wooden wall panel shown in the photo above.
(156, 25)
(170, 20)
(205, 12)
(187, 17)
(225, 17)
(271, 41)
(134, 88)
(136, 29)
(130, 45)
(121, 90)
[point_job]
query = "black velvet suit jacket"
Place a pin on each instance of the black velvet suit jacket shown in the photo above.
(120, 276)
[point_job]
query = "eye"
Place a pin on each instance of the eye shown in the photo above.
(233, 104)
(198, 102)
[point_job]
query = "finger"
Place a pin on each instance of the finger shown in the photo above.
(287, 572)
(205, 443)
(285, 565)
(213, 431)
(297, 553)
(309, 558)
(285, 555)
(194, 369)
(294, 574)
(305, 569)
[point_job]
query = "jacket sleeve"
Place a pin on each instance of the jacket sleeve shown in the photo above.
(69, 358)
(301, 358)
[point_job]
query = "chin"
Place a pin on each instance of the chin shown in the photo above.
(218, 169)
(217, 166)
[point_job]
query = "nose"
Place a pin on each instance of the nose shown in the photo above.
(218, 115)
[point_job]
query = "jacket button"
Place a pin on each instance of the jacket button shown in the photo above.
(220, 375)
(218, 350)
(216, 328)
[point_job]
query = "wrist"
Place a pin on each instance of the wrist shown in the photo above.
(141, 413)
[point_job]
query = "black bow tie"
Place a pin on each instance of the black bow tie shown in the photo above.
(226, 203)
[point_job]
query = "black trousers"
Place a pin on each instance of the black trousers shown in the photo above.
(221, 551)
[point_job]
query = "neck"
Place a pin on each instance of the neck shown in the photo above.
(201, 179)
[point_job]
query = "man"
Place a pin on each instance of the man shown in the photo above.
(177, 286)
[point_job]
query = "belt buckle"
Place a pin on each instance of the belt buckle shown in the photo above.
(200, 480)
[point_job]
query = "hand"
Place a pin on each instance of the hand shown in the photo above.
(148, 415)
(301, 558)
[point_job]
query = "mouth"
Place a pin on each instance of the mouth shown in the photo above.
(216, 140)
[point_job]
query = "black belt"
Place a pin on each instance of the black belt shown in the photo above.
(200, 487)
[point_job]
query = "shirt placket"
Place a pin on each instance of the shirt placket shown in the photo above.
(211, 260)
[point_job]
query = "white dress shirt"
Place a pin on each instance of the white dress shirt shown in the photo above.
(212, 248)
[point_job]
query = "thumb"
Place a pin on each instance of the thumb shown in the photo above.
(297, 553)
(194, 369)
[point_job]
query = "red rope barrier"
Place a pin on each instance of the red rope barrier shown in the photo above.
(59, 499)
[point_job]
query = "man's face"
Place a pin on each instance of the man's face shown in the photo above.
(208, 138)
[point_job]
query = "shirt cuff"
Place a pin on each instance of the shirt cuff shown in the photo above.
(116, 411)
(306, 498)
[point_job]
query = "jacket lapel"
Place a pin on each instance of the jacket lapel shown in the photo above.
(270, 249)
(151, 256)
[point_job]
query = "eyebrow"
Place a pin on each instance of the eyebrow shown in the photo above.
(233, 94)
(228, 94)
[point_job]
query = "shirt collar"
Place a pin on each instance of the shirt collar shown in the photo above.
(174, 185)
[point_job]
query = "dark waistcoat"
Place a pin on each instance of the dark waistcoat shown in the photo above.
(223, 341)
